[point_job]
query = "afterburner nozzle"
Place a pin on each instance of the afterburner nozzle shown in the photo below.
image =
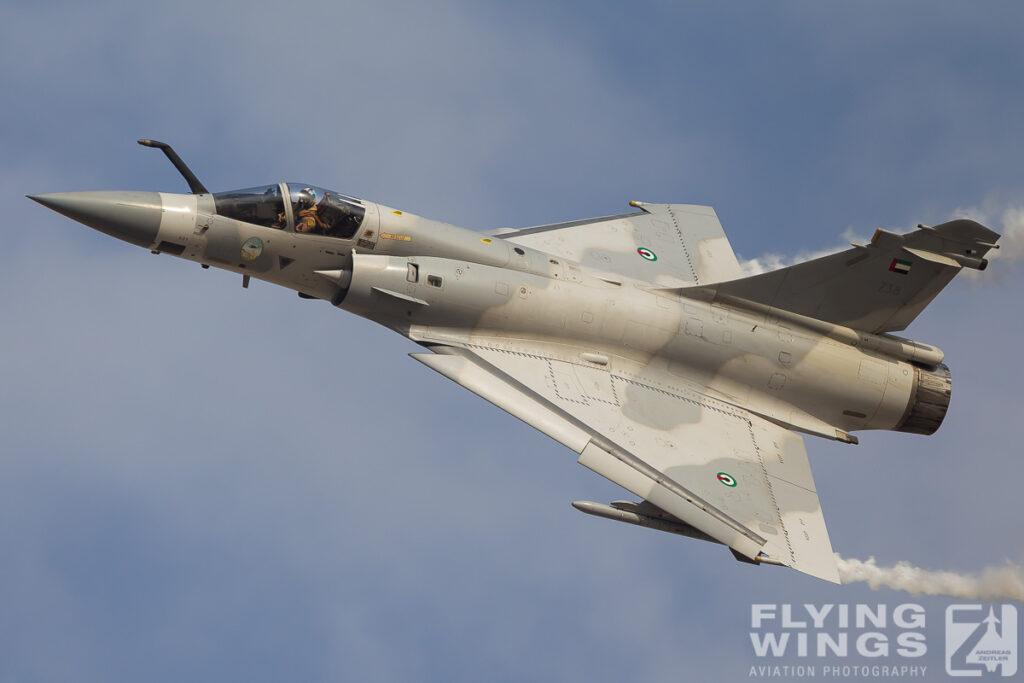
(130, 216)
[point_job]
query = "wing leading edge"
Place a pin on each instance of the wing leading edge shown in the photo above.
(731, 475)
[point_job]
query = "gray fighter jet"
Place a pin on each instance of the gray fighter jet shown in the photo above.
(635, 340)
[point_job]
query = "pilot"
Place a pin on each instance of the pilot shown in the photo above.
(307, 220)
(324, 213)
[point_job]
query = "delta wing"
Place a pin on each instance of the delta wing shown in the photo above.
(736, 477)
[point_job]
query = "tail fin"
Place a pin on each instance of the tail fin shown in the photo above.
(879, 287)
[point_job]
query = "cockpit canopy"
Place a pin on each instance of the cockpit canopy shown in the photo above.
(294, 207)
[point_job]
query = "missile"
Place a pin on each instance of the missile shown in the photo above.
(647, 515)
(641, 514)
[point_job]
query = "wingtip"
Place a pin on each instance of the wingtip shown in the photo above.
(826, 571)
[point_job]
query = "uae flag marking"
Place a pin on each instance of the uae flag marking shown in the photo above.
(727, 479)
(900, 266)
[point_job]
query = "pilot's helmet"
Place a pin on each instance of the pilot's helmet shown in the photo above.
(307, 197)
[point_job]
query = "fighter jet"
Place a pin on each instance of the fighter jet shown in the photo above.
(635, 340)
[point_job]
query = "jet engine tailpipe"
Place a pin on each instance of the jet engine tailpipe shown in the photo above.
(929, 400)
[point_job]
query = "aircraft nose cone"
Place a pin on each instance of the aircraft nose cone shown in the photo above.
(130, 216)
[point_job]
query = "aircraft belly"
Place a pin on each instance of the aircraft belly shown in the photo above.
(791, 376)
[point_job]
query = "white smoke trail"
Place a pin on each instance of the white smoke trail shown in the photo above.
(773, 261)
(991, 583)
(1006, 220)
(1012, 242)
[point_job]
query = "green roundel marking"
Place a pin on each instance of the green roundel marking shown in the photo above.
(252, 248)
(726, 479)
(647, 254)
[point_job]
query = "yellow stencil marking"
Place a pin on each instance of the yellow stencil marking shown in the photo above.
(400, 238)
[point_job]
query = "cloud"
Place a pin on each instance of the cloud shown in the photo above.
(1005, 218)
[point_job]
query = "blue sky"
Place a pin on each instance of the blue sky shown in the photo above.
(202, 482)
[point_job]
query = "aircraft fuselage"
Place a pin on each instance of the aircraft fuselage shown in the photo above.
(434, 282)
